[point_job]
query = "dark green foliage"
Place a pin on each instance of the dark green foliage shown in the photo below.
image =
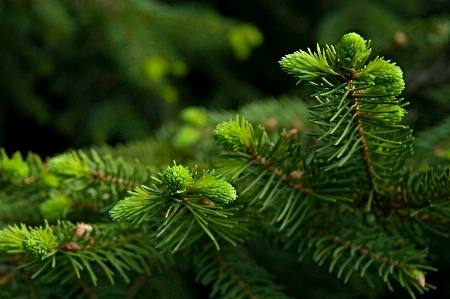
(233, 274)
(359, 161)
(94, 71)
(322, 198)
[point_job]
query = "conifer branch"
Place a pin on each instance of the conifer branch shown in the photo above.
(347, 200)
(114, 171)
(289, 186)
(78, 246)
(233, 274)
(360, 160)
(365, 251)
(293, 179)
(181, 205)
(360, 132)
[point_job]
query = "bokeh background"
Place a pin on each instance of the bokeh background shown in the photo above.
(77, 73)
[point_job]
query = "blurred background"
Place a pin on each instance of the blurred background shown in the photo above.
(78, 73)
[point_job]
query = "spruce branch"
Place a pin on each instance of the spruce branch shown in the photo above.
(24, 184)
(358, 111)
(30, 171)
(233, 274)
(66, 249)
(431, 146)
(348, 200)
(358, 163)
(14, 167)
(93, 182)
(182, 205)
(77, 165)
(64, 185)
(380, 253)
(273, 175)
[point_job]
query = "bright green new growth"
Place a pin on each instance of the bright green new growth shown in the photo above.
(356, 169)
(346, 60)
(13, 167)
(194, 115)
(233, 133)
(140, 205)
(384, 73)
(34, 242)
(70, 164)
(341, 195)
(307, 65)
(176, 179)
(214, 189)
(182, 199)
(358, 111)
(352, 51)
(56, 207)
(11, 238)
(39, 242)
(221, 191)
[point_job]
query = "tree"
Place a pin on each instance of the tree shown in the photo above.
(345, 196)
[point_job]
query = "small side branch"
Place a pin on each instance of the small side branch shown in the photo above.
(233, 274)
(292, 179)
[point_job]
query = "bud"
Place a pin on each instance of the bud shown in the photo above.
(14, 167)
(220, 192)
(419, 277)
(176, 179)
(70, 164)
(233, 133)
(39, 242)
(83, 230)
(401, 39)
(352, 51)
(383, 72)
(71, 246)
(57, 206)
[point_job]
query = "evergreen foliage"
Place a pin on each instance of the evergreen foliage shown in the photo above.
(339, 190)
(350, 201)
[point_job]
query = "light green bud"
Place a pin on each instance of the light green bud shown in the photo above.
(70, 164)
(39, 242)
(56, 207)
(176, 179)
(384, 73)
(352, 51)
(233, 133)
(220, 192)
(15, 167)
(186, 137)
